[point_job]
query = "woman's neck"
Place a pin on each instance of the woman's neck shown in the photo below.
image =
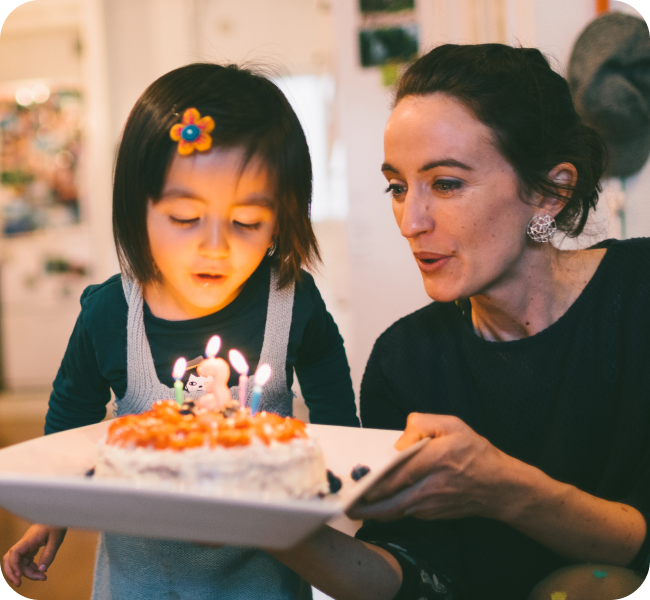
(537, 297)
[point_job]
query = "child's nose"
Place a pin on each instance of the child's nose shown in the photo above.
(214, 240)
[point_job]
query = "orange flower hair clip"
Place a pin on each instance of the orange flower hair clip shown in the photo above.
(193, 133)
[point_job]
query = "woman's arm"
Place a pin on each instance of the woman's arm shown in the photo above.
(460, 474)
(343, 567)
(572, 523)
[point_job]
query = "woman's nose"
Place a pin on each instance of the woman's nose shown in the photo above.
(214, 239)
(414, 218)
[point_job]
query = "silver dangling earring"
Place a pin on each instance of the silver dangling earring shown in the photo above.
(273, 248)
(542, 228)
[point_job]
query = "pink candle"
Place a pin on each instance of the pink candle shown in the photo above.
(241, 366)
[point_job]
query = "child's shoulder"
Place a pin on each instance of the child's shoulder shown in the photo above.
(306, 289)
(104, 298)
(305, 283)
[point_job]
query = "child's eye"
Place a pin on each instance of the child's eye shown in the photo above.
(447, 185)
(183, 221)
(396, 189)
(250, 226)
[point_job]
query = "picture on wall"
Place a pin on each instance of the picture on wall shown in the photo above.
(372, 6)
(388, 45)
(40, 148)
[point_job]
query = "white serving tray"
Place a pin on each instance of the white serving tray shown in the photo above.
(42, 481)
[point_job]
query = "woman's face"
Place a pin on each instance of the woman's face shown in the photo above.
(455, 198)
(210, 229)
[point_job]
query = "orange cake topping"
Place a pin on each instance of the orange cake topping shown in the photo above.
(166, 427)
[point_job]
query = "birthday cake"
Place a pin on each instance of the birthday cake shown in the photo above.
(229, 451)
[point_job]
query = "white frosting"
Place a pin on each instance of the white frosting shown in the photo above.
(293, 469)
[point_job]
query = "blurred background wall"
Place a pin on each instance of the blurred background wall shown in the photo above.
(110, 50)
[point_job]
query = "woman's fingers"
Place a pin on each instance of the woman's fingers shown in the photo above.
(388, 509)
(420, 426)
(443, 479)
(408, 473)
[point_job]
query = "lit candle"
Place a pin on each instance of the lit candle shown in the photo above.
(212, 349)
(218, 372)
(241, 366)
(177, 374)
(262, 375)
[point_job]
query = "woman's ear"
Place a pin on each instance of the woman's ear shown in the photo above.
(565, 177)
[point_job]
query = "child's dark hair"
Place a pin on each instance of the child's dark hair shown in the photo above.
(249, 111)
(528, 107)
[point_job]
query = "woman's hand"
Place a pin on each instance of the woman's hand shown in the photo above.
(459, 474)
(454, 475)
(19, 560)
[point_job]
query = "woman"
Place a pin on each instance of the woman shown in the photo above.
(529, 372)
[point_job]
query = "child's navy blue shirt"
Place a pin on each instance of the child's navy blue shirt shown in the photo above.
(95, 360)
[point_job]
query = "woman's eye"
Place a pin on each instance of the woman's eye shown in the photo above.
(249, 226)
(447, 185)
(178, 221)
(395, 189)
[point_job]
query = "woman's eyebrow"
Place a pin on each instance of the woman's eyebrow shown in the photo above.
(445, 162)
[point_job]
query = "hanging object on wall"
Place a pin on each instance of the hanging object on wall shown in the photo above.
(374, 6)
(388, 45)
(388, 36)
(609, 77)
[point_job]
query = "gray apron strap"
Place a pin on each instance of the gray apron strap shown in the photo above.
(143, 387)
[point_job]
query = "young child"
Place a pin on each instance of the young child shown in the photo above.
(211, 222)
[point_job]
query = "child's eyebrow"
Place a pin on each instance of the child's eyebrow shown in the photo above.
(252, 200)
(180, 193)
(263, 201)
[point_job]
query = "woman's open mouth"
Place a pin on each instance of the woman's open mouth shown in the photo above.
(429, 262)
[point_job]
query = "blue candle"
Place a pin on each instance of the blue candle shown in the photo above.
(262, 375)
(177, 374)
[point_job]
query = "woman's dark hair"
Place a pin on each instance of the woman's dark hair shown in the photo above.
(250, 112)
(528, 106)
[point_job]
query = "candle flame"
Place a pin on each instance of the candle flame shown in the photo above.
(238, 362)
(179, 368)
(213, 347)
(262, 375)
